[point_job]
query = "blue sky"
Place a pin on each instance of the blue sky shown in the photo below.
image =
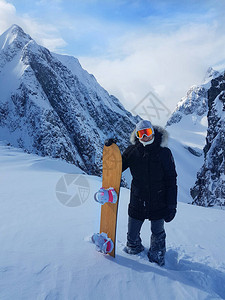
(88, 26)
(131, 46)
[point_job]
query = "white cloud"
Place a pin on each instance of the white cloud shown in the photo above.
(44, 34)
(7, 13)
(167, 64)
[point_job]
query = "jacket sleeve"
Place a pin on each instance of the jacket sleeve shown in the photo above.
(126, 158)
(170, 178)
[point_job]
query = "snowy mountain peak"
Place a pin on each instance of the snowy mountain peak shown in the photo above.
(14, 34)
(195, 103)
(198, 123)
(211, 74)
(12, 41)
(52, 107)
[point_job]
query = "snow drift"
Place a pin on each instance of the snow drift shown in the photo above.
(46, 251)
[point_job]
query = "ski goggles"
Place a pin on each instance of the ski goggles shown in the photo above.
(142, 132)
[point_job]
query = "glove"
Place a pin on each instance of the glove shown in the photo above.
(170, 214)
(109, 142)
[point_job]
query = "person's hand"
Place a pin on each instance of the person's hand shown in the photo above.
(109, 142)
(171, 212)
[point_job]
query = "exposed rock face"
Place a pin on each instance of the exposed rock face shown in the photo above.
(209, 189)
(52, 107)
(205, 104)
(194, 103)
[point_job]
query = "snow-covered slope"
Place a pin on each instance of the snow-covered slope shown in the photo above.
(46, 251)
(52, 107)
(187, 128)
(197, 130)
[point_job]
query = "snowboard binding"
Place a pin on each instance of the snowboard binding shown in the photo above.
(102, 242)
(106, 195)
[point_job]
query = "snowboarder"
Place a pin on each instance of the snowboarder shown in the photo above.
(153, 189)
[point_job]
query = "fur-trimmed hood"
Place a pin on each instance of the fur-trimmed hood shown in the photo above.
(161, 136)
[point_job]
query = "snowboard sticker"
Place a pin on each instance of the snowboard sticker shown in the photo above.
(111, 177)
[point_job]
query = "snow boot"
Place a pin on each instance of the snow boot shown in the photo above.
(134, 250)
(157, 249)
(134, 245)
(102, 242)
(105, 195)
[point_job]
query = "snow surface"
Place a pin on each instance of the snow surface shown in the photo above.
(46, 251)
(189, 132)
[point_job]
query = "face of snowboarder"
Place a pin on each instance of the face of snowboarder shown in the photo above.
(147, 138)
(145, 132)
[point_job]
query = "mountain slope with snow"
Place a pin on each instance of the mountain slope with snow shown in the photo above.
(187, 128)
(52, 107)
(46, 251)
(197, 130)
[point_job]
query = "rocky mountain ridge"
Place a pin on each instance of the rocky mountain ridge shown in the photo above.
(209, 189)
(52, 107)
(202, 113)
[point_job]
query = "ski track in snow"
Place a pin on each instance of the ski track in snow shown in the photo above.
(46, 252)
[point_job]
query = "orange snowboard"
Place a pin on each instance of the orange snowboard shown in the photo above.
(111, 177)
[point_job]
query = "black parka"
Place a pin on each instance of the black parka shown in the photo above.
(153, 187)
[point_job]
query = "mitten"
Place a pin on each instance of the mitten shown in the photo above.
(171, 212)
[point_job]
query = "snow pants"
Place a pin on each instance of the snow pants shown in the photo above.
(157, 249)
